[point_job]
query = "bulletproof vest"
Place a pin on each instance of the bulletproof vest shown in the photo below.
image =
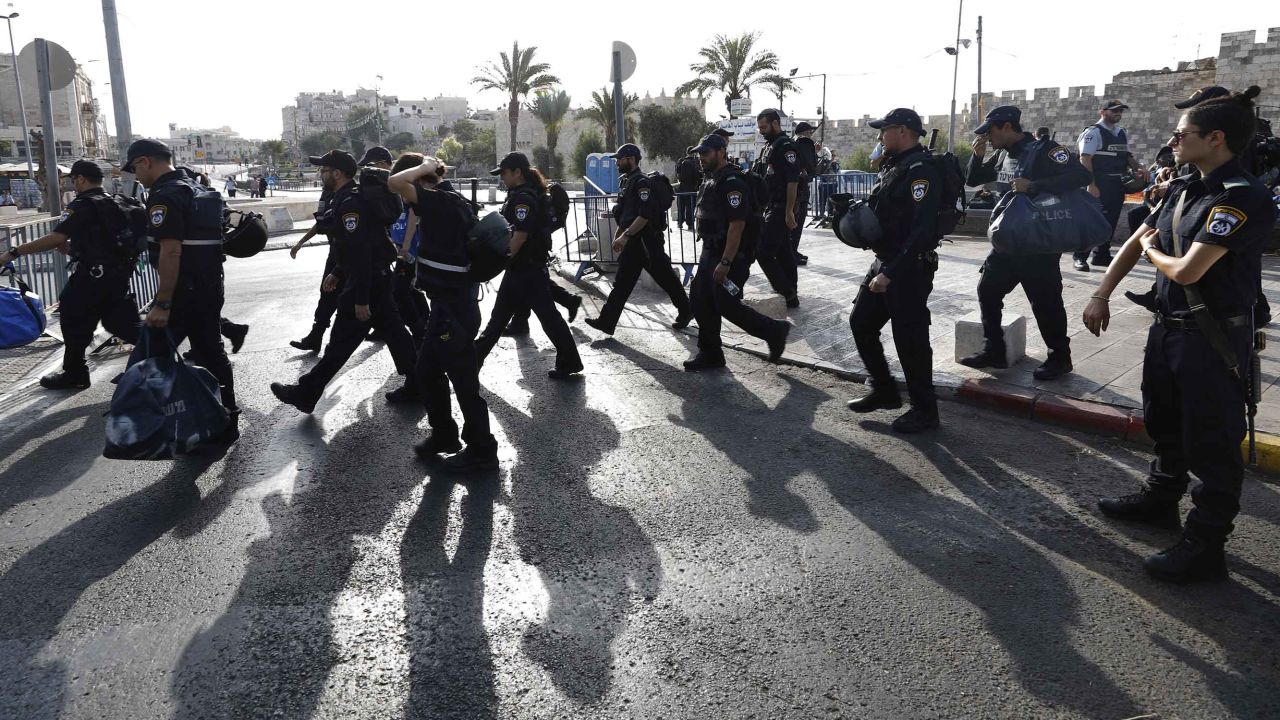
(808, 154)
(443, 256)
(764, 167)
(712, 221)
(1008, 169)
(628, 203)
(1112, 156)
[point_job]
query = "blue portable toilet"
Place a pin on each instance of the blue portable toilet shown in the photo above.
(602, 171)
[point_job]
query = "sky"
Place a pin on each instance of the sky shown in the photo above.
(238, 62)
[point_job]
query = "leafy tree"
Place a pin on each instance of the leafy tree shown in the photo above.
(544, 160)
(450, 151)
(729, 65)
(550, 108)
(400, 142)
(321, 143)
(272, 149)
(363, 125)
(779, 85)
(6, 147)
(483, 150)
(601, 113)
(588, 142)
(517, 76)
(858, 158)
(465, 130)
(666, 132)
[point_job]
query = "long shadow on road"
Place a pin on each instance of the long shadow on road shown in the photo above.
(36, 473)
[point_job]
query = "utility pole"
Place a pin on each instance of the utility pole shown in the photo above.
(619, 120)
(22, 106)
(119, 91)
(955, 80)
(53, 194)
(978, 110)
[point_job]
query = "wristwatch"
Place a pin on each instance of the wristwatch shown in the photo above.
(726, 262)
(164, 304)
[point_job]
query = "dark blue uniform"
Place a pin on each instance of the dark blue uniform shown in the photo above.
(1110, 162)
(647, 251)
(526, 284)
(328, 303)
(1053, 169)
(779, 163)
(98, 289)
(1193, 406)
(808, 154)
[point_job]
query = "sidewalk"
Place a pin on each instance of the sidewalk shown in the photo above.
(1108, 370)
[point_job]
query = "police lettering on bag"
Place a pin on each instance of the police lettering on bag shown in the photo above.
(1224, 220)
(1060, 155)
(735, 199)
(919, 189)
(522, 212)
(351, 221)
(157, 214)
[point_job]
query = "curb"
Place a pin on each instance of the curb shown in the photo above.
(1092, 417)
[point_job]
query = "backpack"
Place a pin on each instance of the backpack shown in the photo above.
(661, 194)
(759, 190)
(376, 199)
(487, 239)
(955, 203)
(557, 207)
(125, 221)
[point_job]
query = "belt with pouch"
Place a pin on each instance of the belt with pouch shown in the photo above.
(1189, 323)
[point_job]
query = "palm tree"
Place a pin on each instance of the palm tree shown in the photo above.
(518, 75)
(779, 85)
(551, 108)
(273, 149)
(729, 65)
(601, 113)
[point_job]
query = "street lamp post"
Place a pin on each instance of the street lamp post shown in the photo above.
(822, 123)
(955, 79)
(22, 107)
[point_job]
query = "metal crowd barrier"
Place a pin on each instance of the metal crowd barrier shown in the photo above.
(821, 189)
(587, 237)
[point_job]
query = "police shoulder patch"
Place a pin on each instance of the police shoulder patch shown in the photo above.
(158, 213)
(735, 198)
(790, 155)
(644, 194)
(351, 221)
(1224, 220)
(522, 212)
(919, 189)
(1060, 155)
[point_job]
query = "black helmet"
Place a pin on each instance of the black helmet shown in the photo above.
(245, 236)
(856, 225)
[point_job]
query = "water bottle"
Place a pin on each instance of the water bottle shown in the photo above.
(730, 287)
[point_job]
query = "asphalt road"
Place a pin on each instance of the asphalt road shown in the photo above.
(655, 545)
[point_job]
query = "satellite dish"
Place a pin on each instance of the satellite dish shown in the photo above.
(62, 67)
(628, 61)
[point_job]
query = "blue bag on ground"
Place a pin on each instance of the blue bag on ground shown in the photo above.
(162, 406)
(1047, 224)
(22, 317)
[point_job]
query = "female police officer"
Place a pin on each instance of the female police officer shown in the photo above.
(526, 282)
(1206, 242)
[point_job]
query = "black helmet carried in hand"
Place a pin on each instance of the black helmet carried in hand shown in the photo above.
(243, 234)
(856, 225)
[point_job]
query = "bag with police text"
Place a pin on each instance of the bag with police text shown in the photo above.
(377, 201)
(162, 406)
(557, 207)
(1047, 224)
(125, 221)
(22, 317)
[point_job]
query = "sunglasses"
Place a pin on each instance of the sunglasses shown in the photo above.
(1177, 135)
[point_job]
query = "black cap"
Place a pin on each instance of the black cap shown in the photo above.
(688, 150)
(628, 150)
(1207, 92)
(1115, 105)
(769, 114)
(144, 148)
(336, 159)
(804, 127)
(513, 161)
(714, 141)
(999, 116)
(906, 117)
(86, 169)
(726, 134)
(377, 153)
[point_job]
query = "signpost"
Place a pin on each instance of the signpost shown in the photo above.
(624, 65)
(740, 107)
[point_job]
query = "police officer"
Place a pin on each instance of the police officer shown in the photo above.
(688, 177)
(526, 282)
(642, 243)
(185, 246)
(779, 164)
(808, 154)
(723, 221)
(1205, 240)
(1104, 151)
(326, 224)
(364, 260)
(448, 352)
(906, 201)
(98, 288)
(377, 156)
(1023, 164)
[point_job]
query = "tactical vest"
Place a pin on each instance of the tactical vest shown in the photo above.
(712, 222)
(1010, 167)
(442, 257)
(1112, 155)
(764, 168)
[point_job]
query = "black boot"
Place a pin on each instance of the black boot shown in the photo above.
(881, 397)
(236, 334)
(312, 341)
(1193, 559)
(683, 319)
(406, 393)
(574, 308)
(230, 433)
(993, 356)
(704, 361)
(1146, 507)
(293, 395)
(599, 325)
(778, 343)
(516, 327)
(66, 380)
(474, 458)
(1057, 365)
(436, 445)
(917, 419)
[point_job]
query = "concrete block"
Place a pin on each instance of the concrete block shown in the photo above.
(278, 220)
(969, 339)
(8, 211)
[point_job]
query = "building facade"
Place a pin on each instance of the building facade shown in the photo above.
(219, 145)
(76, 117)
(314, 113)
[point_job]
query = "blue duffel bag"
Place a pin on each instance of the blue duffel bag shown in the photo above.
(162, 406)
(1047, 224)
(22, 317)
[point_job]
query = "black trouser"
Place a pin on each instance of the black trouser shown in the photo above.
(349, 332)
(520, 318)
(411, 304)
(711, 302)
(684, 207)
(448, 355)
(95, 293)
(1111, 193)
(1195, 411)
(802, 214)
(1137, 216)
(328, 303)
(529, 288)
(906, 306)
(775, 255)
(649, 253)
(196, 315)
(1041, 279)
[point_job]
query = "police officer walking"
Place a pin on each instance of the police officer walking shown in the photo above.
(1027, 165)
(780, 166)
(1104, 151)
(526, 283)
(1206, 242)
(688, 178)
(94, 231)
(642, 245)
(365, 254)
(808, 154)
(448, 352)
(185, 246)
(723, 221)
(906, 201)
(326, 224)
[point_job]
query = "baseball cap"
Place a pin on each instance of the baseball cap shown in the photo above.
(999, 116)
(377, 153)
(804, 127)
(628, 150)
(726, 134)
(513, 161)
(86, 169)
(145, 147)
(1207, 92)
(336, 159)
(1115, 105)
(714, 141)
(900, 116)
